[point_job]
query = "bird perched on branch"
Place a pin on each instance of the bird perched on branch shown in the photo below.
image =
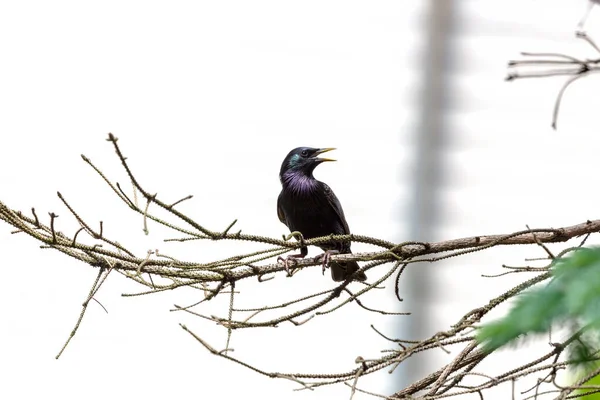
(310, 207)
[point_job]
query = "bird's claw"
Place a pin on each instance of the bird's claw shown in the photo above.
(325, 258)
(292, 258)
(285, 264)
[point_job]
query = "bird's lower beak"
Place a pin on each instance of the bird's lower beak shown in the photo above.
(321, 151)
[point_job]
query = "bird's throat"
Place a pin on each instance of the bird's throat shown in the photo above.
(299, 183)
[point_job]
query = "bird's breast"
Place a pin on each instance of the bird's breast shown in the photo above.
(308, 211)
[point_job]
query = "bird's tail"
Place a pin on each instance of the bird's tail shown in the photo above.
(341, 270)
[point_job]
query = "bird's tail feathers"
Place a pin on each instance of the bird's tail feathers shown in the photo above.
(341, 270)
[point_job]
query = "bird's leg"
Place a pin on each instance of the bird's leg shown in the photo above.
(326, 257)
(293, 257)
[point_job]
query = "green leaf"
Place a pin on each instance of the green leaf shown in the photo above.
(594, 381)
(572, 296)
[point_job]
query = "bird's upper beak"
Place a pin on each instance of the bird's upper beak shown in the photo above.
(321, 151)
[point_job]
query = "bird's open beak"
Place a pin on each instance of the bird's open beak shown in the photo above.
(321, 151)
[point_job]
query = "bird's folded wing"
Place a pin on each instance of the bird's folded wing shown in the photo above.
(280, 213)
(337, 207)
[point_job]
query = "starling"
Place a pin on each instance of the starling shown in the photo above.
(310, 207)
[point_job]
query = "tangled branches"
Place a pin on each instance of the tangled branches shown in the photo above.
(541, 65)
(159, 272)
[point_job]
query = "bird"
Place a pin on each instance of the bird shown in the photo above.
(309, 206)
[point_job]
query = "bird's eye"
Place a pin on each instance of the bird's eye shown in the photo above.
(304, 153)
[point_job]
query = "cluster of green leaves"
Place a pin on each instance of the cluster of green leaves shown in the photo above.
(572, 298)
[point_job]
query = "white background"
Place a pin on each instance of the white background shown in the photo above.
(207, 98)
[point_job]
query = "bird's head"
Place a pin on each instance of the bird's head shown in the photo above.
(303, 160)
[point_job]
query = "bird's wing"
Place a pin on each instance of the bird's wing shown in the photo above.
(280, 213)
(337, 207)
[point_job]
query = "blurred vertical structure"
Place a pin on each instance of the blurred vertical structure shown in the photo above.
(476, 141)
(427, 172)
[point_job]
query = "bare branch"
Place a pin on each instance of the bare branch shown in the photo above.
(160, 271)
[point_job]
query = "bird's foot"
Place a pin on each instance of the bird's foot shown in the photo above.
(325, 258)
(290, 259)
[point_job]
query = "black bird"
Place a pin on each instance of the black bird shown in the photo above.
(310, 207)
